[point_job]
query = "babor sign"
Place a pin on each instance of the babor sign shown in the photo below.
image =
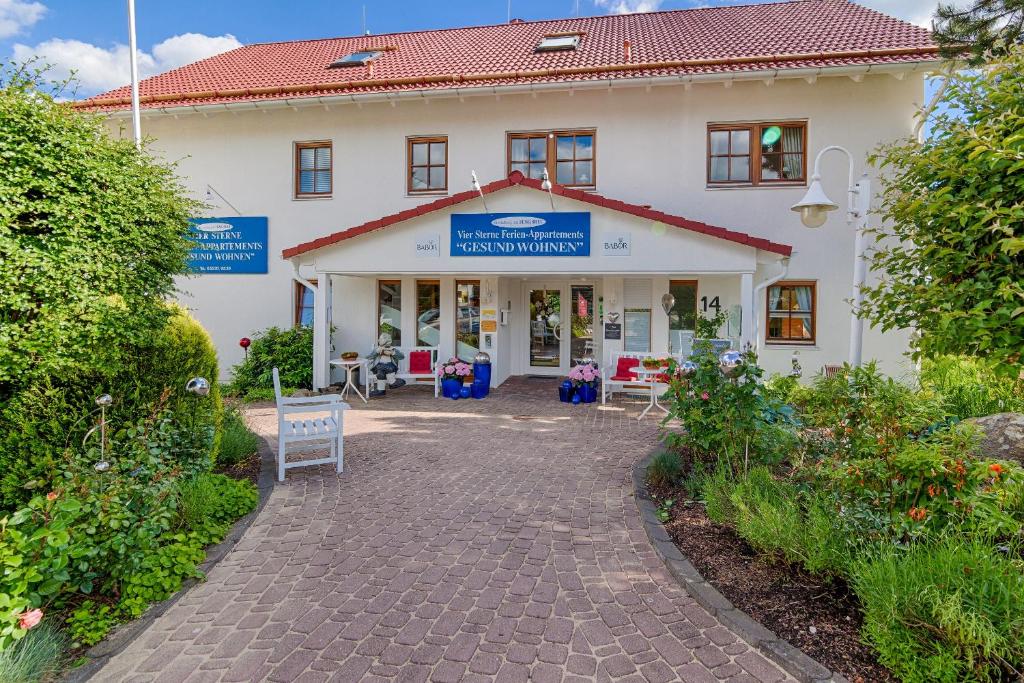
(520, 234)
(229, 245)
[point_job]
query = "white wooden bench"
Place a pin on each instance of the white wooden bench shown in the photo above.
(307, 433)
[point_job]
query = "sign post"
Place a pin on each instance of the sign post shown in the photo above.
(235, 245)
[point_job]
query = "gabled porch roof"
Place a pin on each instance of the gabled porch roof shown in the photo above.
(518, 179)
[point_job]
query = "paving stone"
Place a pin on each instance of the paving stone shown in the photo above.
(426, 560)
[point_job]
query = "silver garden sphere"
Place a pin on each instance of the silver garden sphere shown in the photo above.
(730, 363)
(198, 386)
(687, 369)
(104, 400)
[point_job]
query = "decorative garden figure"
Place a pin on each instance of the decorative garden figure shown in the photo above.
(384, 363)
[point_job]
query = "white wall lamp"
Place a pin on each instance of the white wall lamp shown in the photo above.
(814, 209)
(210, 191)
(479, 190)
(545, 184)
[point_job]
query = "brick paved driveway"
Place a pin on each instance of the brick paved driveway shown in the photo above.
(466, 541)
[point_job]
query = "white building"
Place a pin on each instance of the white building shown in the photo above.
(676, 143)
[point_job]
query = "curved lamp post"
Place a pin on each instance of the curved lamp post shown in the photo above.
(814, 209)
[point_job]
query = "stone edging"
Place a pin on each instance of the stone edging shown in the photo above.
(791, 659)
(99, 654)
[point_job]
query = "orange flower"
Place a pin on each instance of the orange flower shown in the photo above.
(918, 514)
(52, 495)
(933, 490)
(995, 468)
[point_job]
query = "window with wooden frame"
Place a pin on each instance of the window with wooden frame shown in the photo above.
(792, 312)
(757, 153)
(568, 155)
(389, 309)
(303, 309)
(428, 164)
(313, 169)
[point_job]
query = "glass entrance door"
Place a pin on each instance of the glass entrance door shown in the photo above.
(545, 329)
(583, 315)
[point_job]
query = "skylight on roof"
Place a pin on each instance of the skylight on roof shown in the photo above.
(560, 42)
(356, 58)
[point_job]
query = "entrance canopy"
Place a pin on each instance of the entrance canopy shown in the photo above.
(593, 234)
(537, 279)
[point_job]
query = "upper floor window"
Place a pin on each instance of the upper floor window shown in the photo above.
(792, 312)
(567, 155)
(313, 169)
(757, 153)
(428, 164)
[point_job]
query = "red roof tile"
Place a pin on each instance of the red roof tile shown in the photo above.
(785, 35)
(517, 178)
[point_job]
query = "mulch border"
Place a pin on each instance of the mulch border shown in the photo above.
(123, 636)
(780, 651)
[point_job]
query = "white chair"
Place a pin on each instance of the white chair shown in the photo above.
(421, 367)
(619, 376)
(311, 434)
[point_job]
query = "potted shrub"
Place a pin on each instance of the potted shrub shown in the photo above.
(453, 373)
(584, 378)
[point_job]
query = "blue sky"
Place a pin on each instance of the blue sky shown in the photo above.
(90, 36)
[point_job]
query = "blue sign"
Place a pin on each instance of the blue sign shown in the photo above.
(229, 245)
(520, 234)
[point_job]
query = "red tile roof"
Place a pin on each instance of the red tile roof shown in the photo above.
(517, 178)
(765, 37)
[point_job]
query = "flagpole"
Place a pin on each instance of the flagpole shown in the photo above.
(134, 61)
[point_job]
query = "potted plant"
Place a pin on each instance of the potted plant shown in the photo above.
(453, 373)
(584, 378)
(652, 363)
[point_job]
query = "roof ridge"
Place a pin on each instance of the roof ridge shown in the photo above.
(521, 22)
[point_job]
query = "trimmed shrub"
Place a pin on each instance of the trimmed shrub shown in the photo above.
(289, 350)
(952, 611)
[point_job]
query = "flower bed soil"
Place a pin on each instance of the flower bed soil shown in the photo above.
(785, 600)
(248, 468)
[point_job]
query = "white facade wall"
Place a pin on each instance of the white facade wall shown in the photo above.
(651, 149)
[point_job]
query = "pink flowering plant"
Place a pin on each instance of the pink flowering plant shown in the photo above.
(584, 374)
(454, 368)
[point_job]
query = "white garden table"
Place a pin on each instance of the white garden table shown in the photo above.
(349, 366)
(650, 376)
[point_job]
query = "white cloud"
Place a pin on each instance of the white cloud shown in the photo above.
(628, 6)
(918, 12)
(98, 69)
(16, 15)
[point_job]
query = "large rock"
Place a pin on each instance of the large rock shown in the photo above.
(1003, 438)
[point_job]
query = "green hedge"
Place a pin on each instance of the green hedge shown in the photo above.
(42, 426)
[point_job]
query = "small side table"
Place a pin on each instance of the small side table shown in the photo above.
(349, 366)
(650, 376)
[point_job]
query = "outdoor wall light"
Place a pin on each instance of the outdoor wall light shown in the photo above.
(815, 205)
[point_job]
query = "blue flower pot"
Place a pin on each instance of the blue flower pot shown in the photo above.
(464, 392)
(576, 400)
(451, 388)
(565, 392)
(479, 390)
(587, 393)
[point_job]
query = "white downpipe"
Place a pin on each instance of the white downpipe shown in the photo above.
(133, 61)
(762, 286)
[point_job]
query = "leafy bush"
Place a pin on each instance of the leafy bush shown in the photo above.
(116, 533)
(237, 441)
(92, 234)
(952, 611)
(42, 426)
(90, 623)
(289, 350)
(971, 387)
(664, 470)
(36, 657)
(728, 419)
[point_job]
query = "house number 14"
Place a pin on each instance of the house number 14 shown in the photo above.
(714, 303)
